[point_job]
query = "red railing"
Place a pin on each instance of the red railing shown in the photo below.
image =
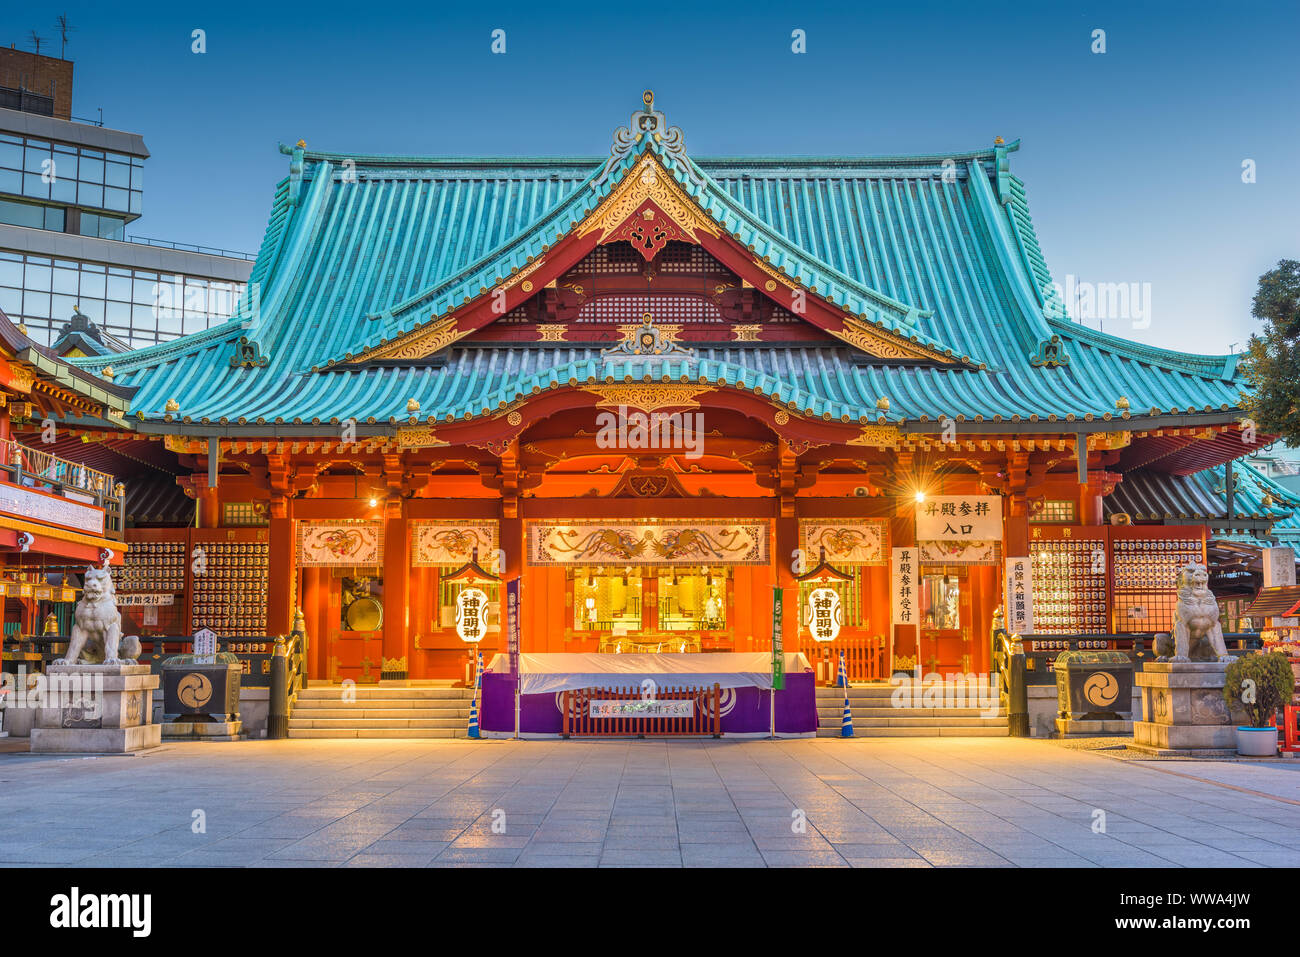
(864, 657)
(705, 716)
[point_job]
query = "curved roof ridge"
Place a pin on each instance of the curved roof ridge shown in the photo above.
(391, 159)
(1208, 365)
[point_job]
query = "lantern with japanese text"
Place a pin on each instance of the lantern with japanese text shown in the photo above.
(824, 614)
(825, 611)
(472, 602)
(471, 614)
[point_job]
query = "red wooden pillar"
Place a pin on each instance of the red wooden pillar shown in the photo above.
(396, 647)
(282, 572)
(1091, 511)
(787, 540)
(208, 502)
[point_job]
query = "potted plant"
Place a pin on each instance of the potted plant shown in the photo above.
(1259, 685)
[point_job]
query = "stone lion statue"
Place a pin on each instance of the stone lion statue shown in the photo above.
(1197, 634)
(97, 625)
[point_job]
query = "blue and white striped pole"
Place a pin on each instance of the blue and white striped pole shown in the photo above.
(846, 728)
(473, 705)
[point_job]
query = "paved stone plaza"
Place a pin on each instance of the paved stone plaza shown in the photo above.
(867, 803)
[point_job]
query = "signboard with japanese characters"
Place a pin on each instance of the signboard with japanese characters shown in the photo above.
(903, 585)
(1279, 569)
(145, 598)
(205, 646)
(1020, 596)
(825, 614)
(471, 614)
(959, 518)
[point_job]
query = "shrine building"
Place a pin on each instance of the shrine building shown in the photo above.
(655, 389)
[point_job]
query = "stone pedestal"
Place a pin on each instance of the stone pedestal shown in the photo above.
(183, 730)
(101, 709)
(1182, 702)
(1093, 727)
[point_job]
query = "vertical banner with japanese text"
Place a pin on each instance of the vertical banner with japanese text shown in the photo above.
(1020, 596)
(778, 643)
(902, 575)
(512, 625)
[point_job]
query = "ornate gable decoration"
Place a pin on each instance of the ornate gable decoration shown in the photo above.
(649, 341)
(647, 122)
(648, 208)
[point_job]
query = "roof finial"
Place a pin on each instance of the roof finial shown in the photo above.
(648, 125)
(998, 141)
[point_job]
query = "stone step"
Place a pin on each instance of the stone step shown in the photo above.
(352, 724)
(865, 712)
(367, 711)
(390, 704)
(334, 692)
(912, 732)
(944, 722)
(378, 733)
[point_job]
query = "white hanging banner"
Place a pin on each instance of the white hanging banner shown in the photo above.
(959, 518)
(1020, 596)
(903, 570)
(825, 614)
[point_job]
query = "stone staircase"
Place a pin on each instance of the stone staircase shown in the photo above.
(381, 712)
(875, 717)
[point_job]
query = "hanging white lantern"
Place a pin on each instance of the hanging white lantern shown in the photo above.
(824, 614)
(471, 614)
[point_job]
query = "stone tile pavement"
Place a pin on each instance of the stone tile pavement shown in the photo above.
(885, 802)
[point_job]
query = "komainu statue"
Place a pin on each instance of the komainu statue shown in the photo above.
(97, 625)
(1197, 634)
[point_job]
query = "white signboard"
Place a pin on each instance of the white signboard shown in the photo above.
(205, 645)
(51, 509)
(146, 598)
(1020, 596)
(903, 572)
(825, 615)
(959, 518)
(1279, 569)
(471, 614)
(643, 708)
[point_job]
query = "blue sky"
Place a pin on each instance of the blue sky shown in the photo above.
(1132, 157)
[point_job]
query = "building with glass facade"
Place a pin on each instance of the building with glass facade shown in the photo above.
(68, 193)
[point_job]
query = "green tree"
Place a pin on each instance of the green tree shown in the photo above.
(1272, 361)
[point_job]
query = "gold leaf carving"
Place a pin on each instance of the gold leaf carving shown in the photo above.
(648, 180)
(417, 344)
(648, 397)
(417, 437)
(877, 436)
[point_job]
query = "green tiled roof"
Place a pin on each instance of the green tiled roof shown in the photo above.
(359, 250)
(1147, 494)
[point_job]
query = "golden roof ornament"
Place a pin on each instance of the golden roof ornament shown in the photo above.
(107, 373)
(172, 406)
(883, 403)
(998, 141)
(412, 405)
(1122, 403)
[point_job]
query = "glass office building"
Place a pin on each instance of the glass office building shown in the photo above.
(70, 194)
